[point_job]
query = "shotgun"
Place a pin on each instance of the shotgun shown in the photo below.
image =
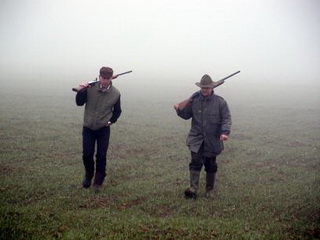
(186, 102)
(79, 89)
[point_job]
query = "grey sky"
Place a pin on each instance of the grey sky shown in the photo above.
(267, 40)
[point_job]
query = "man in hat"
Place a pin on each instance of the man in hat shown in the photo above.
(210, 126)
(102, 109)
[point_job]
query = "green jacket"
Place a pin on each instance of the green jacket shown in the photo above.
(101, 107)
(210, 118)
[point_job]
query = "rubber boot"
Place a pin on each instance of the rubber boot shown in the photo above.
(191, 192)
(210, 179)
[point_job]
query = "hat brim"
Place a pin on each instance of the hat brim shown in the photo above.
(206, 86)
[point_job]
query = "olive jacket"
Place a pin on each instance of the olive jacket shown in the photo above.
(211, 117)
(101, 106)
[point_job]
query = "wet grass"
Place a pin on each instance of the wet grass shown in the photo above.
(267, 183)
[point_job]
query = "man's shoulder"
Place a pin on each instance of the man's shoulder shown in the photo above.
(115, 90)
(195, 95)
(218, 97)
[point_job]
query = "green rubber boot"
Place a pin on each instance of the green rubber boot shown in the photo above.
(191, 192)
(210, 179)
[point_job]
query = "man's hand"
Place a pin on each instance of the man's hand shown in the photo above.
(176, 106)
(84, 85)
(224, 137)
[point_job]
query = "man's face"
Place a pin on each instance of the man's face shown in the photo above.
(105, 82)
(206, 91)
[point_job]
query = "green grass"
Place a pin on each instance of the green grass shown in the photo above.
(267, 183)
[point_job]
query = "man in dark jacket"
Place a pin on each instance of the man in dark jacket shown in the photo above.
(102, 109)
(210, 126)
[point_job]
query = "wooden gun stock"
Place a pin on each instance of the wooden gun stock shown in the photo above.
(184, 104)
(79, 89)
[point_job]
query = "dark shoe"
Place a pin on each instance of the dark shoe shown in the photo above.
(190, 193)
(86, 183)
(99, 178)
(209, 194)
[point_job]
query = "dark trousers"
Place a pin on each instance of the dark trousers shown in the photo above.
(89, 140)
(198, 160)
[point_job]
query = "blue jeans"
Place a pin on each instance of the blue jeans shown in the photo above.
(89, 140)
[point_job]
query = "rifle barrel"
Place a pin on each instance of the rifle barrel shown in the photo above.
(123, 73)
(229, 76)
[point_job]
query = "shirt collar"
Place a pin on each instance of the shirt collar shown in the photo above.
(101, 89)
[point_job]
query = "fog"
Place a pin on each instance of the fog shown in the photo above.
(275, 44)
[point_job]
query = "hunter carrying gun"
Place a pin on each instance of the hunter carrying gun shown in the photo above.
(102, 109)
(210, 126)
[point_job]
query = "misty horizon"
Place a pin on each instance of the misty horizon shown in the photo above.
(266, 40)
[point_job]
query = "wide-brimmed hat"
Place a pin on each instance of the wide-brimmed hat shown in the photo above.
(106, 72)
(206, 82)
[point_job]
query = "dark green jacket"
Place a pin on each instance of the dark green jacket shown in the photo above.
(101, 107)
(210, 118)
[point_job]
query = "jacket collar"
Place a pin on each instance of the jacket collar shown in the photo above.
(203, 98)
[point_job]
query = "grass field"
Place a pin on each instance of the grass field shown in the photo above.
(267, 183)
